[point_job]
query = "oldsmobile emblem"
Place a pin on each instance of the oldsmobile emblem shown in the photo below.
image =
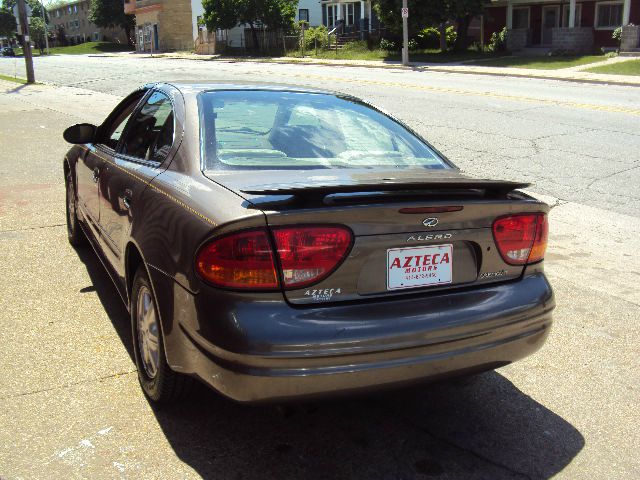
(430, 222)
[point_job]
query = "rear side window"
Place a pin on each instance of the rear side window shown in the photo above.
(272, 129)
(149, 134)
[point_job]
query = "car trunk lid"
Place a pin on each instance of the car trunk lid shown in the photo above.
(412, 233)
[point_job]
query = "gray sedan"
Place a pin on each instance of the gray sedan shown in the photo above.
(279, 243)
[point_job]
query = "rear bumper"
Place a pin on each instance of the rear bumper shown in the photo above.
(278, 352)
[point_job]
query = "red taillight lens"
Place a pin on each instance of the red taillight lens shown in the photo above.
(309, 254)
(521, 238)
(241, 260)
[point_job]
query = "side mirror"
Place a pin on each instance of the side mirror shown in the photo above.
(80, 133)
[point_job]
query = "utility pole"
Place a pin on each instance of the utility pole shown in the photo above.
(46, 27)
(26, 41)
(405, 33)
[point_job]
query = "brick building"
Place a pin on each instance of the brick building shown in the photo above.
(73, 17)
(165, 24)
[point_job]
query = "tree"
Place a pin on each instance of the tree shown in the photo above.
(109, 14)
(36, 7)
(462, 12)
(221, 14)
(388, 12)
(61, 36)
(38, 30)
(8, 23)
(226, 14)
(423, 13)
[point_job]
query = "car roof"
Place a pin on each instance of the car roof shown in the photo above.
(195, 88)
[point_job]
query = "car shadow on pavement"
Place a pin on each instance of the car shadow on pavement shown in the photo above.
(482, 427)
(108, 296)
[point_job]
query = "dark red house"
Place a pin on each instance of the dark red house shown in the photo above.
(570, 25)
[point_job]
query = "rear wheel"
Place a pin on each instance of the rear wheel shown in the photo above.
(74, 231)
(158, 381)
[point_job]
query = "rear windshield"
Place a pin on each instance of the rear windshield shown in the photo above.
(273, 129)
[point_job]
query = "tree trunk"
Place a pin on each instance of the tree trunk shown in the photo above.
(461, 39)
(254, 36)
(127, 32)
(443, 36)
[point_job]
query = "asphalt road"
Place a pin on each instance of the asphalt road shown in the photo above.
(70, 406)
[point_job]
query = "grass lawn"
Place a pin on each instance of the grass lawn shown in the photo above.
(629, 67)
(541, 63)
(359, 51)
(9, 78)
(83, 49)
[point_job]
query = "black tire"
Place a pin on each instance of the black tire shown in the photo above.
(159, 383)
(74, 230)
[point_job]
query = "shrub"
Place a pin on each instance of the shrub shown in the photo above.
(387, 45)
(356, 46)
(430, 37)
(617, 35)
(313, 35)
(413, 45)
(498, 41)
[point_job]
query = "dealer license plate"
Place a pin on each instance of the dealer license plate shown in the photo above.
(419, 266)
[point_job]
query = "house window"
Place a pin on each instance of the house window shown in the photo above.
(608, 15)
(349, 17)
(520, 17)
(75, 9)
(565, 15)
(332, 15)
(303, 14)
(96, 36)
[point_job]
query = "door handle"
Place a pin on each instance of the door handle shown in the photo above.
(96, 175)
(126, 198)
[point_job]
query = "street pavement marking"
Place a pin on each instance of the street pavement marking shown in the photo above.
(563, 103)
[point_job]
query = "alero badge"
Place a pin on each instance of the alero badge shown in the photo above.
(430, 222)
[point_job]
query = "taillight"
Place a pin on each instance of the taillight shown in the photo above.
(241, 260)
(309, 254)
(246, 260)
(521, 238)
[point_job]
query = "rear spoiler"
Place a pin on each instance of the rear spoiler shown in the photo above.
(491, 188)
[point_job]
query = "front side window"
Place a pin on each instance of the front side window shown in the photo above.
(608, 15)
(112, 129)
(149, 135)
(272, 130)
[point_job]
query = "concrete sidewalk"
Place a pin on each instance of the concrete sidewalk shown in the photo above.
(571, 74)
(72, 408)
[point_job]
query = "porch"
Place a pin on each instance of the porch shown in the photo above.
(352, 19)
(554, 25)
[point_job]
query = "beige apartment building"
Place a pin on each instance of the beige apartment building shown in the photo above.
(74, 18)
(165, 24)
